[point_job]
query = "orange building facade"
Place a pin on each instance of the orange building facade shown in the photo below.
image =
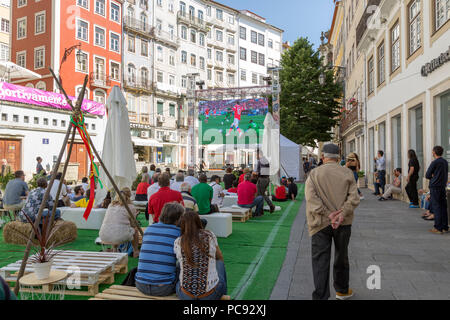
(43, 30)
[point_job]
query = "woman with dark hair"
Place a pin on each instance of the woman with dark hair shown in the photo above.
(412, 178)
(354, 165)
(202, 270)
(229, 178)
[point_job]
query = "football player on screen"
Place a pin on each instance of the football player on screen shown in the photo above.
(237, 109)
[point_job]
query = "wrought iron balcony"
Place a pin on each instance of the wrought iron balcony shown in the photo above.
(352, 118)
(192, 21)
(167, 38)
(101, 80)
(362, 28)
(138, 26)
(137, 83)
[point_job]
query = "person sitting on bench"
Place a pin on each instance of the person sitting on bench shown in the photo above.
(247, 196)
(292, 189)
(394, 188)
(202, 270)
(116, 227)
(156, 274)
(141, 190)
(234, 188)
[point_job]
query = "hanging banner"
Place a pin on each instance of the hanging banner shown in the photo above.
(14, 93)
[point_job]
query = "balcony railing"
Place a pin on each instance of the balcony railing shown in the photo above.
(137, 83)
(362, 25)
(138, 26)
(192, 20)
(98, 79)
(167, 37)
(352, 117)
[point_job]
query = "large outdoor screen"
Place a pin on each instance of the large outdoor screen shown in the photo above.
(232, 121)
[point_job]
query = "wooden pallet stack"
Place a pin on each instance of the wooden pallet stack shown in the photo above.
(94, 268)
(239, 214)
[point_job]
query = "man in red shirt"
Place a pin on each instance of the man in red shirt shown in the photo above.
(163, 196)
(246, 196)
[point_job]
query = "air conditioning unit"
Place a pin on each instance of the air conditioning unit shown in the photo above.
(144, 134)
(161, 119)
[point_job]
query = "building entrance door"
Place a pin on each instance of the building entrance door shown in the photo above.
(11, 151)
(79, 155)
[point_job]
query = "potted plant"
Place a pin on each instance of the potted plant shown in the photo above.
(43, 249)
(362, 179)
(5, 179)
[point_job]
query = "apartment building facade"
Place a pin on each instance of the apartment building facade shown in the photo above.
(407, 56)
(5, 28)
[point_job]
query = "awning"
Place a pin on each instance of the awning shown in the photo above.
(146, 142)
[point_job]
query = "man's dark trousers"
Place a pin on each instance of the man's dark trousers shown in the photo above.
(321, 257)
(261, 186)
(382, 178)
(439, 205)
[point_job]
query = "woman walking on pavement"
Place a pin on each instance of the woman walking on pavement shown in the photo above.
(412, 178)
(353, 164)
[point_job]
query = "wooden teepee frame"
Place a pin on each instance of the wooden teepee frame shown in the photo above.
(71, 131)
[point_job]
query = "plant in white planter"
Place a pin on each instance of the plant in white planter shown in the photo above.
(361, 179)
(44, 250)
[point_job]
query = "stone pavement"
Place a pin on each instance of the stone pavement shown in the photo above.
(414, 263)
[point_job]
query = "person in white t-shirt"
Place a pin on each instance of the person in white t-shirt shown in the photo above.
(179, 179)
(154, 188)
(191, 179)
(62, 201)
(218, 194)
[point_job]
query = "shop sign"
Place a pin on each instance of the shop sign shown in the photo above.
(436, 63)
(45, 141)
(140, 126)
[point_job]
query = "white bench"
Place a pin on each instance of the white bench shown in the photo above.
(75, 215)
(221, 224)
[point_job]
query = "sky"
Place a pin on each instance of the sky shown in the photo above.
(298, 18)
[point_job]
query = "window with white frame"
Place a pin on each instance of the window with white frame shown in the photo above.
(193, 60)
(254, 78)
(200, 15)
(171, 79)
(254, 56)
(441, 13)
(183, 32)
(261, 59)
(231, 39)
(219, 56)
(86, 92)
(83, 3)
(115, 12)
(395, 47)
(115, 71)
(99, 37)
(219, 14)
(99, 96)
(100, 7)
(114, 42)
(4, 25)
(243, 75)
(4, 52)
(381, 64)
(231, 59)
(41, 85)
(39, 23)
(82, 62)
(209, 74)
(243, 54)
(415, 26)
(208, 11)
(21, 3)
(131, 75)
(171, 32)
(243, 33)
(22, 28)
(159, 3)
(193, 36)
(371, 76)
(219, 76)
(202, 63)
(21, 59)
(159, 54)
(131, 99)
(230, 19)
(183, 82)
(144, 24)
(261, 41)
(201, 39)
(172, 58)
(82, 30)
(160, 77)
(254, 37)
(171, 6)
(144, 48)
(131, 44)
(270, 43)
(209, 53)
(231, 79)
(183, 57)
(219, 35)
(39, 58)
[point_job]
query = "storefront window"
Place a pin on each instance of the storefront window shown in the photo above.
(443, 123)
(371, 148)
(382, 136)
(416, 137)
(397, 142)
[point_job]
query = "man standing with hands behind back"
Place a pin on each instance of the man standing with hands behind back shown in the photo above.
(331, 197)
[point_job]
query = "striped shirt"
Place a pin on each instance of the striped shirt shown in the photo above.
(157, 260)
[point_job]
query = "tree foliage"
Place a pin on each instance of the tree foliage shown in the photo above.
(308, 109)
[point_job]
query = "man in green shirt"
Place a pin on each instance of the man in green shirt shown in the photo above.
(253, 125)
(203, 194)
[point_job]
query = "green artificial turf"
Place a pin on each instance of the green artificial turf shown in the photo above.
(253, 253)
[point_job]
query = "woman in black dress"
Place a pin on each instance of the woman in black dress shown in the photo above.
(412, 178)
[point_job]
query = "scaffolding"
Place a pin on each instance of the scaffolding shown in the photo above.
(233, 93)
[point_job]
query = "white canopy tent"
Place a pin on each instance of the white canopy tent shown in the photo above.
(291, 160)
(271, 147)
(9, 70)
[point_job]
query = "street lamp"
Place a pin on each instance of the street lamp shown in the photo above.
(67, 53)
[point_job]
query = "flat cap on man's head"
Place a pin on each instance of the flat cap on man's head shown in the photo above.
(330, 151)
